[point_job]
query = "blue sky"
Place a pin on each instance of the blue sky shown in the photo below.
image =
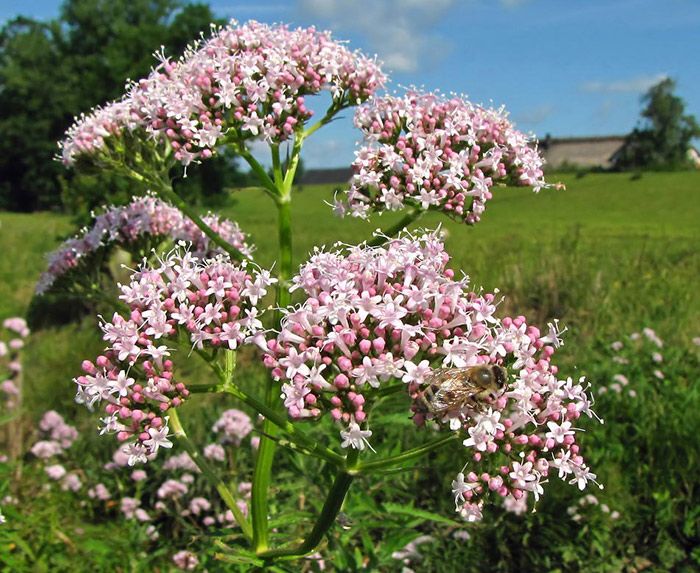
(563, 67)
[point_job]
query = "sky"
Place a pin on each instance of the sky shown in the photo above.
(560, 67)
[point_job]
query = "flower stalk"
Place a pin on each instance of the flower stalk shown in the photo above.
(382, 237)
(326, 519)
(407, 456)
(167, 193)
(209, 474)
(266, 451)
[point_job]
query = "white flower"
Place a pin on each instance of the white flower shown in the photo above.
(416, 373)
(478, 438)
(489, 422)
(557, 432)
(355, 437)
(136, 453)
(159, 439)
(460, 487)
(522, 474)
(563, 463)
(553, 336)
(471, 512)
(110, 424)
(582, 475)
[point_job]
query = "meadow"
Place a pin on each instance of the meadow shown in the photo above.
(609, 256)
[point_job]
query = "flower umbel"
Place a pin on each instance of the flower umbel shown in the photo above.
(374, 316)
(246, 82)
(208, 300)
(144, 218)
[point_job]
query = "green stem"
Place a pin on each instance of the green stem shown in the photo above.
(293, 163)
(325, 520)
(406, 456)
(394, 230)
(285, 255)
(266, 451)
(276, 166)
(204, 388)
(267, 183)
(166, 192)
(280, 186)
(208, 473)
(279, 420)
(293, 433)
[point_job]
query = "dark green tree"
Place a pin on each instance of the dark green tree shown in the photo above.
(663, 137)
(37, 100)
(50, 72)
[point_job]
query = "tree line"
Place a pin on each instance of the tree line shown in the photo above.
(52, 71)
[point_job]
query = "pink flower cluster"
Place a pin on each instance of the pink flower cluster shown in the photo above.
(429, 152)
(56, 436)
(17, 325)
(185, 560)
(173, 489)
(247, 82)
(144, 217)
(532, 423)
(10, 363)
(96, 132)
(213, 301)
(372, 315)
(233, 426)
(397, 312)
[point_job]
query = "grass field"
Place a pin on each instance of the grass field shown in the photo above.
(609, 256)
(611, 214)
(608, 227)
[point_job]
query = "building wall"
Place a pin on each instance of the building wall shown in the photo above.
(583, 152)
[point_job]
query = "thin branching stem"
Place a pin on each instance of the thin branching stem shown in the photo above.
(383, 236)
(209, 473)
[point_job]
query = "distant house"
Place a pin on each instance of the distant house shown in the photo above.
(580, 151)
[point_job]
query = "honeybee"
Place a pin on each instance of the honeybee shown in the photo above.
(451, 389)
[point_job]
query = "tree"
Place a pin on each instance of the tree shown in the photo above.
(36, 103)
(664, 135)
(49, 72)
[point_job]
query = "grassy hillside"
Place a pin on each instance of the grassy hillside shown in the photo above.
(607, 225)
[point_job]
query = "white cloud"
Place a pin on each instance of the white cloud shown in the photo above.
(400, 31)
(638, 84)
(604, 112)
(535, 115)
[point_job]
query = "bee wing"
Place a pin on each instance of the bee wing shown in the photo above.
(440, 376)
(451, 389)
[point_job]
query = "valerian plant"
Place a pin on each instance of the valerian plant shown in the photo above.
(370, 320)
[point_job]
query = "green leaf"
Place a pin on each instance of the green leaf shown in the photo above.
(23, 545)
